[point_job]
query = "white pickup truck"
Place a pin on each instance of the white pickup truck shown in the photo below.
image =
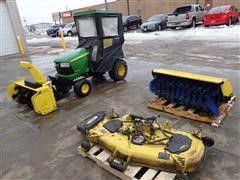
(186, 16)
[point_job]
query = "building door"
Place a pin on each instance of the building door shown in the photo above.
(8, 41)
(208, 4)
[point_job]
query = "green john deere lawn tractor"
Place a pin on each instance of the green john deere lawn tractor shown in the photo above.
(100, 35)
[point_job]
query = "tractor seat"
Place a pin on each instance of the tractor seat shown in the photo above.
(33, 85)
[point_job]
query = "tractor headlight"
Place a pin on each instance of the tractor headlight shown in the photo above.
(64, 65)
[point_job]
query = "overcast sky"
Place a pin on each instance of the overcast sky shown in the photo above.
(36, 11)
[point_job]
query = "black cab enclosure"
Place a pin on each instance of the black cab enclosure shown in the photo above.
(101, 32)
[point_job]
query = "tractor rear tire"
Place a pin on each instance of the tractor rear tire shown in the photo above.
(82, 88)
(119, 70)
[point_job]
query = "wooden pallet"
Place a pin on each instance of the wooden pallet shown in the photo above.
(183, 111)
(100, 156)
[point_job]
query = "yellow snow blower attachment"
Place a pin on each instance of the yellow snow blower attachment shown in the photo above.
(37, 95)
(205, 93)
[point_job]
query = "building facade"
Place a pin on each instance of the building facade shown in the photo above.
(147, 8)
(10, 28)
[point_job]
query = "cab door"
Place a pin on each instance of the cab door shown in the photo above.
(112, 40)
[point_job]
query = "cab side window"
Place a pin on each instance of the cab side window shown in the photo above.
(110, 26)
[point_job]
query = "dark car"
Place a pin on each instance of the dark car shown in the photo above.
(53, 32)
(156, 22)
(130, 22)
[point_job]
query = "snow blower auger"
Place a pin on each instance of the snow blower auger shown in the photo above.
(135, 140)
(37, 95)
(201, 92)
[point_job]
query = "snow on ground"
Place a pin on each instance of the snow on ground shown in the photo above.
(218, 33)
(215, 33)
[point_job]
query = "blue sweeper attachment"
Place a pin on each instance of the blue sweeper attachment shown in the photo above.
(205, 93)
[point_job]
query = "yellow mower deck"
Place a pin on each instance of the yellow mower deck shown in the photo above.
(42, 99)
(152, 155)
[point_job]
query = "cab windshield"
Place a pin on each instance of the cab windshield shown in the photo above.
(86, 27)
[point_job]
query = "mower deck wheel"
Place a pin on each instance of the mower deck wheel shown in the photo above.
(119, 70)
(85, 146)
(208, 141)
(181, 176)
(82, 88)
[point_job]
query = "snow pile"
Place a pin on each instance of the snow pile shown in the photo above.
(49, 39)
(218, 33)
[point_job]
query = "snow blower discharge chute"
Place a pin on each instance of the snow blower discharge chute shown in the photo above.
(204, 93)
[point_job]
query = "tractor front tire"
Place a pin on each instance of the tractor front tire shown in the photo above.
(82, 88)
(119, 70)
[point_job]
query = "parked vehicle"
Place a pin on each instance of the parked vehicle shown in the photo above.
(69, 30)
(53, 32)
(156, 22)
(186, 16)
(221, 15)
(131, 22)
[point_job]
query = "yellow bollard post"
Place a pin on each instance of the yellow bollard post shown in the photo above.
(63, 41)
(20, 45)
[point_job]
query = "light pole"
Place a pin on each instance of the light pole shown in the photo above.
(128, 8)
(106, 4)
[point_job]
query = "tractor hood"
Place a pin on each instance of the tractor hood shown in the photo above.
(71, 56)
